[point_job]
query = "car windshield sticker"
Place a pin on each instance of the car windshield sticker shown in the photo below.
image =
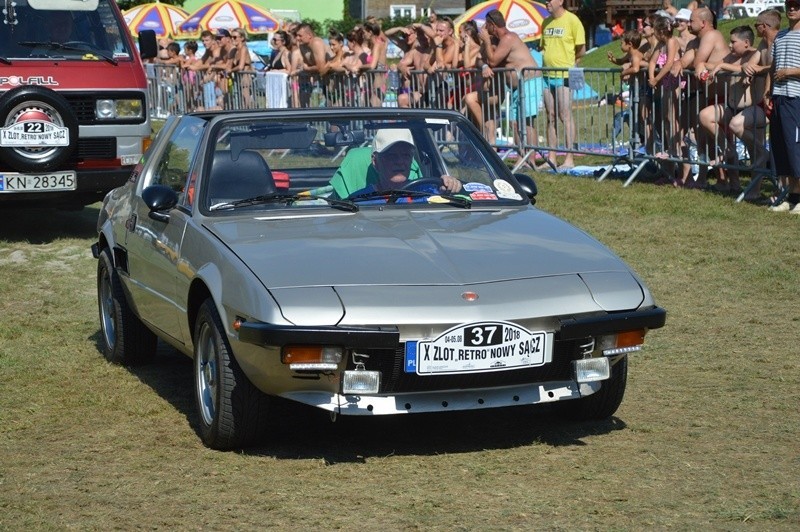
(505, 190)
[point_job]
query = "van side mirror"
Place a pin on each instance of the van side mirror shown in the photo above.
(148, 46)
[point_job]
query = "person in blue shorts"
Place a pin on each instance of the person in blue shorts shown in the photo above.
(784, 126)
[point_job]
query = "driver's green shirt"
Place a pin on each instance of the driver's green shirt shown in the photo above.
(356, 172)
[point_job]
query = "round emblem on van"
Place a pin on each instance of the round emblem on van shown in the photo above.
(33, 115)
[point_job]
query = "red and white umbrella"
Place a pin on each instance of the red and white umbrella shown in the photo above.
(229, 14)
(164, 19)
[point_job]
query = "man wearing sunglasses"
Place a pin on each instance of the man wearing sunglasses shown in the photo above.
(785, 123)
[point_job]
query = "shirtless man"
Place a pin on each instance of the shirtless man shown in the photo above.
(315, 64)
(312, 49)
(445, 45)
(712, 47)
(502, 48)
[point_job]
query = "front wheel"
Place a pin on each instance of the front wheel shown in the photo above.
(603, 403)
(231, 409)
(125, 339)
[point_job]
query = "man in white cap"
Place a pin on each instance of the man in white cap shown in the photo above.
(390, 166)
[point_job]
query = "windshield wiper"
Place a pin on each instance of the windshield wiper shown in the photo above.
(288, 199)
(61, 46)
(391, 196)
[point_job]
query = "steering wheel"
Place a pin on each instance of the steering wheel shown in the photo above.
(419, 184)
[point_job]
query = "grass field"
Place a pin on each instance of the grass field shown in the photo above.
(707, 436)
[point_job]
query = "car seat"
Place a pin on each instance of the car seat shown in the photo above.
(247, 176)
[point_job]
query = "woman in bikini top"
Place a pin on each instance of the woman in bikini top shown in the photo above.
(280, 61)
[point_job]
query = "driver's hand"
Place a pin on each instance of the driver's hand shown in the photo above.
(450, 184)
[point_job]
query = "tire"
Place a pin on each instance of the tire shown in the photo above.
(37, 104)
(126, 340)
(603, 403)
(232, 410)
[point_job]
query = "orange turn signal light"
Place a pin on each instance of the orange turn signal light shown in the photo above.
(630, 338)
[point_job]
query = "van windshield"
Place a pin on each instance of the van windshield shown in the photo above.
(29, 33)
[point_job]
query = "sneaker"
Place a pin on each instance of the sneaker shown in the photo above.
(795, 209)
(784, 206)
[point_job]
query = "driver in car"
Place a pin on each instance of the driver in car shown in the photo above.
(389, 166)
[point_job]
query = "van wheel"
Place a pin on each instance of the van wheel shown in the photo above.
(36, 112)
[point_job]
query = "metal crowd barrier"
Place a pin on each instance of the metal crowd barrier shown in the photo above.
(627, 122)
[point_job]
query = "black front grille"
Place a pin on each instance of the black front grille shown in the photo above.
(83, 106)
(97, 148)
(394, 380)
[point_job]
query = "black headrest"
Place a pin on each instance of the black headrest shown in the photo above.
(246, 177)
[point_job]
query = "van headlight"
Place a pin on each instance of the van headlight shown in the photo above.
(123, 108)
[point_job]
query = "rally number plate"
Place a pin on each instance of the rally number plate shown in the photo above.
(479, 347)
(54, 181)
(34, 133)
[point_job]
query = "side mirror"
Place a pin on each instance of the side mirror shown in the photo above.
(148, 46)
(159, 199)
(528, 186)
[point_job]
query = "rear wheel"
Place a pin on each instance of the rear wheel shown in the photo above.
(603, 403)
(231, 409)
(126, 340)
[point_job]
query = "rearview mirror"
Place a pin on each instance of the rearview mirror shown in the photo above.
(344, 138)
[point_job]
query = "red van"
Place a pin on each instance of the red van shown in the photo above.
(73, 109)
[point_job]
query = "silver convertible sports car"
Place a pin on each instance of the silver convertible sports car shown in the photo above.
(365, 262)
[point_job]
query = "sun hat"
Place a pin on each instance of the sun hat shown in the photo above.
(684, 14)
(386, 138)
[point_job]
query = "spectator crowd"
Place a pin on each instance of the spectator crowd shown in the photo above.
(695, 92)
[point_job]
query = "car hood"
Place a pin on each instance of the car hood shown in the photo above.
(400, 253)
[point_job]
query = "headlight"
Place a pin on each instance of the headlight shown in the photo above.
(110, 109)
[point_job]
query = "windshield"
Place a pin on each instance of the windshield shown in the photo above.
(63, 35)
(351, 164)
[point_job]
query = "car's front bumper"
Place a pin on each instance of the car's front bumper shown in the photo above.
(382, 350)
(447, 400)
